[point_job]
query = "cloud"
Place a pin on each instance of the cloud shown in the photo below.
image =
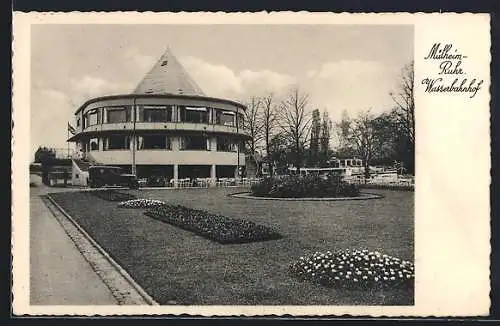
(53, 94)
(263, 81)
(351, 85)
(215, 80)
(141, 61)
(50, 111)
(220, 81)
(88, 86)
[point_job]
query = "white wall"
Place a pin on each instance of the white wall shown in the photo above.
(165, 157)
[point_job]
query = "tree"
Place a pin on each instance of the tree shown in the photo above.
(314, 144)
(280, 153)
(295, 123)
(367, 135)
(45, 156)
(326, 129)
(268, 123)
(343, 128)
(252, 125)
(404, 114)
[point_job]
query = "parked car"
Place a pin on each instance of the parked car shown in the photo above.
(100, 176)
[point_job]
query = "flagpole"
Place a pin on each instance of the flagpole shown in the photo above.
(67, 137)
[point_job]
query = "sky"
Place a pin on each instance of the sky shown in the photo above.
(341, 67)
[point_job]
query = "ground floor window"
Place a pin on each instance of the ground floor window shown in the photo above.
(154, 142)
(194, 171)
(94, 144)
(194, 143)
(117, 142)
(226, 171)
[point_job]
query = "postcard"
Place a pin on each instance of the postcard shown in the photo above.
(273, 163)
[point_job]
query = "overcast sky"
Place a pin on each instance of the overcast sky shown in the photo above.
(342, 67)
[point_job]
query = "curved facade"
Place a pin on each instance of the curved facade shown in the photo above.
(174, 136)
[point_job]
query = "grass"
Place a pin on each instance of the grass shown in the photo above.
(177, 266)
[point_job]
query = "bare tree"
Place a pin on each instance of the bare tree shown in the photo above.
(404, 99)
(268, 123)
(295, 123)
(404, 111)
(326, 135)
(252, 124)
(366, 134)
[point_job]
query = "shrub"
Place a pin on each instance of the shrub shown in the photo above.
(140, 203)
(112, 195)
(212, 226)
(357, 268)
(304, 187)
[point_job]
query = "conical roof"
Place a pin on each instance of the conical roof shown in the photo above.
(168, 76)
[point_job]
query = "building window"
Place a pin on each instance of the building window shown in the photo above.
(94, 144)
(241, 120)
(154, 142)
(93, 117)
(195, 143)
(157, 114)
(118, 115)
(225, 118)
(194, 114)
(118, 142)
(78, 122)
(226, 144)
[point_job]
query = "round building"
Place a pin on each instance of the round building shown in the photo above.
(166, 128)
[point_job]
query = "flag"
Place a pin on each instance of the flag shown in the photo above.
(71, 129)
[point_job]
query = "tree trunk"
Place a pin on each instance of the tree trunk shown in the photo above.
(367, 170)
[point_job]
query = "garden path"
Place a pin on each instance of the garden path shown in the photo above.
(59, 275)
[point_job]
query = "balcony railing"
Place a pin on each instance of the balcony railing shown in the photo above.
(167, 126)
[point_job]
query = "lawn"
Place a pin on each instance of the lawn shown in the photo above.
(176, 266)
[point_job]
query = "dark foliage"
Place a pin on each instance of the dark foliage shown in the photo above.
(212, 226)
(305, 187)
(112, 195)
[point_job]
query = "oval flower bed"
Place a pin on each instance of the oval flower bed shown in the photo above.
(141, 203)
(357, 268)
(309, 186)
(212, 226)
(112, 195)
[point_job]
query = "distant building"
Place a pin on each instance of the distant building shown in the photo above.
(166, 127)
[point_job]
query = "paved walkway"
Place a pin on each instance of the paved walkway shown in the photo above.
(59, 275)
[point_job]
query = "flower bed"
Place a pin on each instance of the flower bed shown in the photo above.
(304, 187)
(358, 268)
(141, 203)
(212, 226)
(112, 195)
